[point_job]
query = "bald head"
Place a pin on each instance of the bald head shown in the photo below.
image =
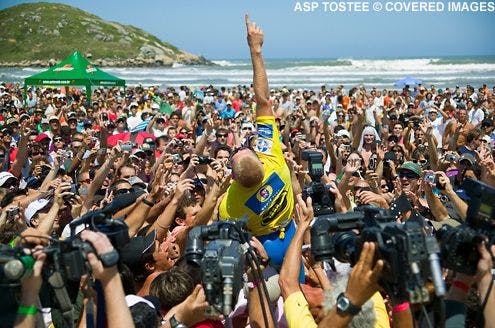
(247, 169)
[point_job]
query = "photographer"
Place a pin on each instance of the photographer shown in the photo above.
(116, 311)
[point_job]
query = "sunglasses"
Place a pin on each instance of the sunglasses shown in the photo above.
(123, 191)
(247, 128)
(356, 189)
(384, 186)
(420, 161)
(37, 153)
(408, 175)
(221, 135)
(77, 140)
(58, 140)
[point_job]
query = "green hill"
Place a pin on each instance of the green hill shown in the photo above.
(41, 34)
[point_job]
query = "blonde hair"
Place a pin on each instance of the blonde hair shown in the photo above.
(248, 171)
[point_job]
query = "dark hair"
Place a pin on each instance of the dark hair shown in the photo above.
(473, 135)
(117, 182)
(180, 213)
(172, 287)
(222, 147)
(139, 271)
(144, 316)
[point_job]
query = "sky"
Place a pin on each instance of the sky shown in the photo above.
(216, 29)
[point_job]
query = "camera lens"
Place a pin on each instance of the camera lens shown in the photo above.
(345, 247)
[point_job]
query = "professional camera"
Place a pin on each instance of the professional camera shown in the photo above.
(404, 248)
(460, 244)
(323, 199)
(15, 264)
(221, 261)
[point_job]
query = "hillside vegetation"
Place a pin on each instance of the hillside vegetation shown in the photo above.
(41, 34)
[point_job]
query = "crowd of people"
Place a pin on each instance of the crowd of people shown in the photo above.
(192, 157)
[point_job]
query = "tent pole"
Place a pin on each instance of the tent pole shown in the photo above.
(25, 94)
(88, 94)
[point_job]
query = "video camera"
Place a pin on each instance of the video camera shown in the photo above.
(66, 260)
(404, 248)
(459, 245)
(323, 199)
(221, 261)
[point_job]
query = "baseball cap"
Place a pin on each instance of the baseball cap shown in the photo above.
(411, 166)
(41, 137)
(247, 125)
(132, 253)
(53, 118)
(33, 208)
(132, 300)
(343, 133)
(136, 181)
(5, 176)
(467, 159)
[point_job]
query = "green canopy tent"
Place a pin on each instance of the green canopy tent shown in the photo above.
(74, 70)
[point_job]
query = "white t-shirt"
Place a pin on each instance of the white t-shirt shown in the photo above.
(438, 127)
(476, 116)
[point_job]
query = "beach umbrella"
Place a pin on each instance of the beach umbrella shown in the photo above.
(408, 81)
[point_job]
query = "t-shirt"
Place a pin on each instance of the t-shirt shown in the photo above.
(381, 315)
(269, 204)
(297, 311)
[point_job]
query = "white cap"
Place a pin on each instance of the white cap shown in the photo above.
(343, 132)
(33, 208)
(134, 299)
(4, 176)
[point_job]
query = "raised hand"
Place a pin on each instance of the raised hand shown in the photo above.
(254, 35)
(304, 211)
(363, 280)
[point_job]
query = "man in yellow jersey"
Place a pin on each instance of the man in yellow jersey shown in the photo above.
(262, 189)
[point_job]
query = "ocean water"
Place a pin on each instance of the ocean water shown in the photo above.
(307, 73)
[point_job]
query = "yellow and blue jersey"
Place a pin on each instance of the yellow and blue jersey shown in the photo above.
(268, 205)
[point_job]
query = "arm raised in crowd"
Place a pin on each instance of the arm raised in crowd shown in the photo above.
(140, 212)
(116, 309)
(432, 149)
(289, 273)
(46, 225)
(30, 289)
(255, 42)
(100, 176)
(330, 149)
(460, 206)
(434, 204)
(164, 221)
(22, 153)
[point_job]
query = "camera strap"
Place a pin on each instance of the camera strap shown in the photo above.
(57, 283)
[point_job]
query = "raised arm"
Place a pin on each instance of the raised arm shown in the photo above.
(260, 80)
